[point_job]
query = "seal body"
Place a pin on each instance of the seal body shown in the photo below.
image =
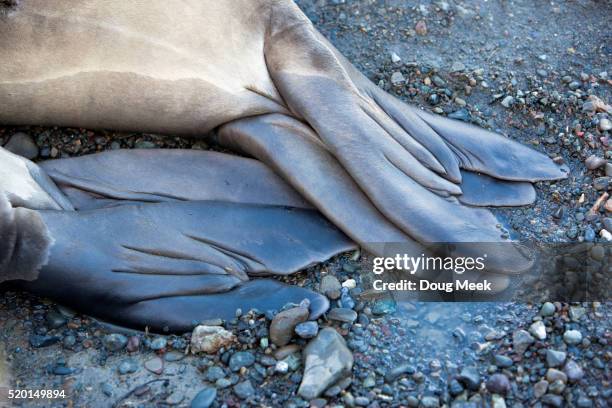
(201, 63)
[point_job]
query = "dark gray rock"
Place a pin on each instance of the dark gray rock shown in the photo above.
(22, 144)
(498, 384)
(244, 390)
(204, 398)
(307, 330)
(555, 358)
(241, 359)
(470, 377)
(114, 341)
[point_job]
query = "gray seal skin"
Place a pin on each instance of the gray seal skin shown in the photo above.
(153, 252)
(168, 265)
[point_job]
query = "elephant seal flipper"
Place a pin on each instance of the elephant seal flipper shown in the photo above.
(293, 150)
(485, 191)
(480, 150)
(281, 142)
(104, 261)
(178, 314)
(166, 175)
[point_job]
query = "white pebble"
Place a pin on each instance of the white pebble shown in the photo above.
(349, 284)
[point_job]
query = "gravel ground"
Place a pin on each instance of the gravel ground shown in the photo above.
(535, 71)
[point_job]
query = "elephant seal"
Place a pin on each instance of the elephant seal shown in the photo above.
(206, 64)
(259, 73)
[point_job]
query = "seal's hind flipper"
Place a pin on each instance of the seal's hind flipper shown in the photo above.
(103, 262)
(179, 313)
(484, 191)
(293, 151)
(117, 177)
(480, 150)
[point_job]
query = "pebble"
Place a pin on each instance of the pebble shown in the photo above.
(455, 387)
(470, 377)
(342, 314)
(22, 145)
(210, 339)
(555, 358)
(548, 309)
(175, 398)
(457, 66)
(397, 78)
(521, 340)
(362, 401)
(573, 371)
(384, 306)
(107, 389)
(330, 287)
(395, 58)
(594, 162)
(553, 400)
(244, 390)
(128, 366)
(307, 330)
(576, 312)
(158, 343)
(540, 388)
(349, 284)
(589, 234)
(133, 344)
(430, 401)
(281, 367)
(214, 373)
(508, 101)
(538, 330)
(205, 398)
(173, 356)
(327, 360)
(38, 341)
(420, 28)
(605, 125)
(241, 359)
(553, 375)
(601, 183)
(55, 319)
(572, 337)
(283, 325)
(155, 365)
(398, 371)
(114, 341)
(461, 114)
(556, 387)
(503, 361)
(498, 384)
(497, 401)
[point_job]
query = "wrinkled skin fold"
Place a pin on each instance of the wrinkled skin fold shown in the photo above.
(271, 86)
